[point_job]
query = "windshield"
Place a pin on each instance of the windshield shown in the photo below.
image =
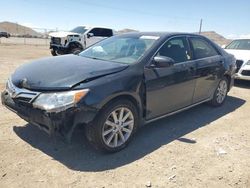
(120, 49)
(79, 30)
(243, 44)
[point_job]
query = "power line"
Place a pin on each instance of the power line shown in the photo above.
(125, 10)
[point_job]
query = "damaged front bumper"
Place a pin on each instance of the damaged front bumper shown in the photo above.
(63, 122)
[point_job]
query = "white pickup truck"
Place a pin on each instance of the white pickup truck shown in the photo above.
(76, 40)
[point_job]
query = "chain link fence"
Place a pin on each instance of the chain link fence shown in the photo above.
(40, 36)
(20, 35)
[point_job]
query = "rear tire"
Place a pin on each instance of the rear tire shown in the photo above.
(114, 127)
(220, 93)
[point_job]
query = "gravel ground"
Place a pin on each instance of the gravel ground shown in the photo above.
(201, 147)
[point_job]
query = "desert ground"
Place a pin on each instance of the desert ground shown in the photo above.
(201, 147)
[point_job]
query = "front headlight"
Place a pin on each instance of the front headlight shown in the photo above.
(248, 63)
(56, 102)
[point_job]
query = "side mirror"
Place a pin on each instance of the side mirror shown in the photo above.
(223, 46)
(163, 61)
(90, 35)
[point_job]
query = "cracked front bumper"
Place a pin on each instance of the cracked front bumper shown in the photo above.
(63, 122)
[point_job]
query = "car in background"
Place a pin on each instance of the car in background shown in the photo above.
(76, 40)
(240, 48)
(4, 34)
(119, 84)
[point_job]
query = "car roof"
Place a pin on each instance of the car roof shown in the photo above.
(159, 34)
(91, 27)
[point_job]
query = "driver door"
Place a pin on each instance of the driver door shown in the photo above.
(170, 88)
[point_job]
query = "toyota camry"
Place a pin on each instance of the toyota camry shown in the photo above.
(119, 84)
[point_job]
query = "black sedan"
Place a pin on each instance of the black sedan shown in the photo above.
(120, 83)
(4, 34)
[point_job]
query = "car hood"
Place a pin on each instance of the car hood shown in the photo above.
(62, 72)
(240, 54)
(62, 34)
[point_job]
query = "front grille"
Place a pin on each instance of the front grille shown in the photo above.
(24, 99)
(245, 72)
(55, 40)
(20, 94)
(238, 65)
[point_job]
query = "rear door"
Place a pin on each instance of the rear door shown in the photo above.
(98, 34)
(209, 66)
(170, 88)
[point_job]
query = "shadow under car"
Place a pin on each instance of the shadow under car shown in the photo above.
(80, 156)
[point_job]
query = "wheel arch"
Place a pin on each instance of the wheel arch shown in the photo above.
(129, 97)
(75, 44)
(125, 96)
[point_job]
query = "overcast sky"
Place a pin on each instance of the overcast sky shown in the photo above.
(229, 18)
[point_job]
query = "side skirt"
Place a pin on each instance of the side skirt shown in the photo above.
(175, 112)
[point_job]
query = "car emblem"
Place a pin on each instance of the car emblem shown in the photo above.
(13, 94)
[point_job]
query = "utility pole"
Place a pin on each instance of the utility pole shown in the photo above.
(46, 37)
(200, 26)
(16, 28)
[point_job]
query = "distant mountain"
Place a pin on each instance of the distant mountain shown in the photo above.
(18, 30)
(217, 38)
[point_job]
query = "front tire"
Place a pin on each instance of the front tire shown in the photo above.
(114, 127)
(54, 52)
(220, 93)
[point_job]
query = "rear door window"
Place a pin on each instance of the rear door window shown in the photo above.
(102, 32)
(202, 48)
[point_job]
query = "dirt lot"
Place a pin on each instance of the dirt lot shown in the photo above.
(202, 147)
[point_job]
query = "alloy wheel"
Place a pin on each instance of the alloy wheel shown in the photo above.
(118, 127)
(221, 91)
